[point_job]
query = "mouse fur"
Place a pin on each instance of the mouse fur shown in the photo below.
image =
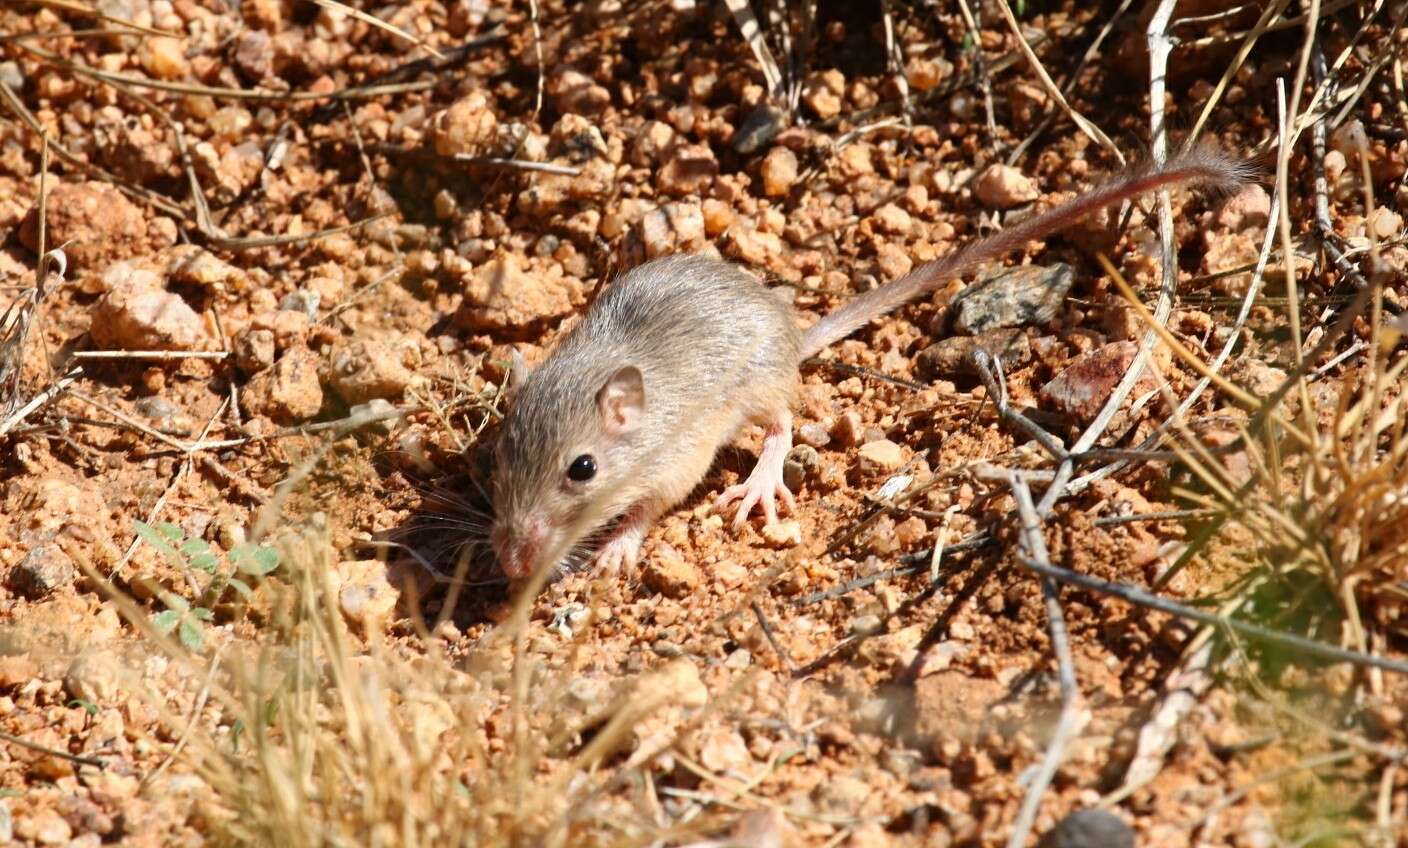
(714, 349)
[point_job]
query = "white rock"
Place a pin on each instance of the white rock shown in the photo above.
(1002, 187)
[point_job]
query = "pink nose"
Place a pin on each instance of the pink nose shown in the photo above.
(518, 553)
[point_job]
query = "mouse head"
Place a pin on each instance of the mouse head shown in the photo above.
(565, 459)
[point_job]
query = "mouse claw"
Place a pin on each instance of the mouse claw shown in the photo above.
(621, 552)
(757, 489)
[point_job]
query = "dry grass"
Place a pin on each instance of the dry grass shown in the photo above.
(1319, 493)
(317, 737)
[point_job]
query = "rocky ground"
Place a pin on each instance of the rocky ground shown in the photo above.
(298, 249)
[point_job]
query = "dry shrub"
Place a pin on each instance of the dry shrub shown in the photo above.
(1327, 517)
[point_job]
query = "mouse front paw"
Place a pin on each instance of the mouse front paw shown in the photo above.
(621, 550)
(764, 487)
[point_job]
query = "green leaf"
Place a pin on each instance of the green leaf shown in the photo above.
(190, 633)
(165, 622)
(191, 547)
(170, 531)
(202, 613)
(236, 731)
(967, 41)
(149, 534)
(175, 602)
(240, 586)
(206, 562)
(90, 707)
(257, 560)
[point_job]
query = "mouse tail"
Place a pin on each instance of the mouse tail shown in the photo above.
(1204, 164)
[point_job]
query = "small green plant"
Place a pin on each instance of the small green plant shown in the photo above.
(186, 620)
(180, 615)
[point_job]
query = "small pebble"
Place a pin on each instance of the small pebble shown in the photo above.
(44, 570)
(893, 220)
(146, 319)
(290, 391)
(468, 126)
(365, 596)
(761, 126)
(689, 169)
(302, 300)
(953, 357)
(1081, 390)
(848, 428)
(779, 172)
(94, 220)
(881, 455)
(1002, 187)
(1027, 294)
(671, 228)
(730, 573)
(254, 350)
(1089, 829)
(11, 75)
(783, 534)
(864, 625)
(822, 93)
(814, 434)
(93, 677)
(369, 369)
(49, 828)
(669, 573)
(164, 58)
(154, 408)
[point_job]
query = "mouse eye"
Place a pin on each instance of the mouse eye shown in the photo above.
(582, 469)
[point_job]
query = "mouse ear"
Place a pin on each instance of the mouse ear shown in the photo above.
(517, 371)
(621, 401)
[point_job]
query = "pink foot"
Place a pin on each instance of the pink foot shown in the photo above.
(764, 485)
(622, 549)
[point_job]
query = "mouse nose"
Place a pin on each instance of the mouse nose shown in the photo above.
(518, 551)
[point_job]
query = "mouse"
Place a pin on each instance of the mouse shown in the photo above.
(624, 417)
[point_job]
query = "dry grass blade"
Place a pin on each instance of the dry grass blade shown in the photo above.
(18, 416)
(1272, 11)
(151, 354)
(18, 319)
(365, 18)
(753, 34)
(138, 193)
(1085, 125)
(1300, 646)
(1242, 397)
(90, 12)
(256, 94)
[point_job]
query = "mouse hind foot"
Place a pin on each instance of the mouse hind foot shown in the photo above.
(764, 485)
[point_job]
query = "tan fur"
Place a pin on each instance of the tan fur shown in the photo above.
(716, 350)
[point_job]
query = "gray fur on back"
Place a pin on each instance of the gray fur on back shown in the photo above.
(715, 348)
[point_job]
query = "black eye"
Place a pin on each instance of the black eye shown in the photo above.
(582, 469)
